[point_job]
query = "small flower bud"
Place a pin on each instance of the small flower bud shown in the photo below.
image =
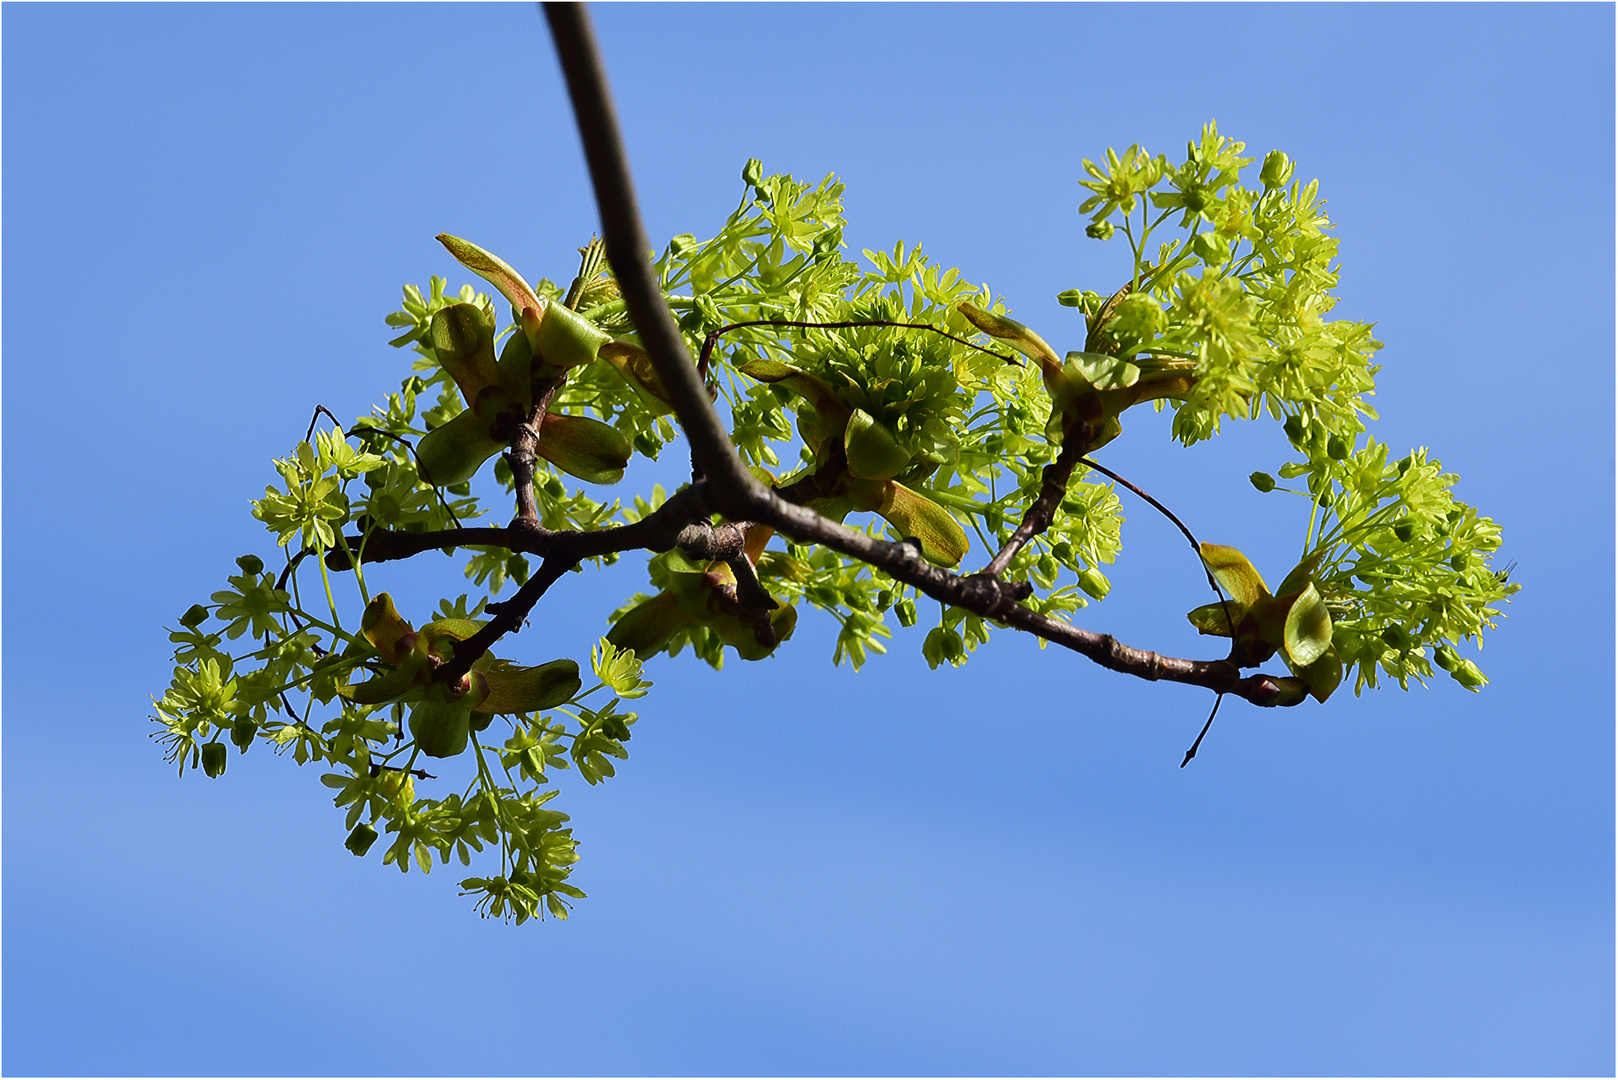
(251, 564)
(1094, 582)
(214, 757)
(1262, 480)
(1100, 230)
(1337, 448)
(1277, 170)
(753, 172)
(360, 840)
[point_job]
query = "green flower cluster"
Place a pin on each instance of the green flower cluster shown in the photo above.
(891, 394)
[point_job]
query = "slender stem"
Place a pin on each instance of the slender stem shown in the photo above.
(1038, 517)
(709, 342)
(1191, 753)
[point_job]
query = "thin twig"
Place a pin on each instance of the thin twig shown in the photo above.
(318, 410)
(1191, 753)
(713, 338)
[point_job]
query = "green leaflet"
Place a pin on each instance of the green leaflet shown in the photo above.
(1013, 332)
(441, 728)
(1323, 676)
(833, 412)
(530, 689)
(494, 270)
(386, 629)
(1211, 619)
(631, 361)
(385, 687)
(453, 452)
(585, 448)
(873, 452)
(1101, 371)
(648, 627)
(567, 339)
(463, 342)
(1232, 570)
(1308, 628)
(943, 541)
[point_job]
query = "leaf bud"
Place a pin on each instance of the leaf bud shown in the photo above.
(906, 611)
(194, 616)
(1277, 169)
(360, 840)
(214, 757)
(1094, 582)
(1210, 249)
(1100, 230)
(646, 444)
(708, 311)
(1071, 298)
(1262, 480)
(1467, 674)
(1290, 690)
(251, 564)
(753, 172)
(1337, 448)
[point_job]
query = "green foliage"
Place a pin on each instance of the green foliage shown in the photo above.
(939, 432)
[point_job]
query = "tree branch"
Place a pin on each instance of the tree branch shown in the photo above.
(732, 490)
(523, 455)
(1037, 518)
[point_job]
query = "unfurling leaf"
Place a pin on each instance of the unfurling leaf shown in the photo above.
(520, 690)
(873, 452)
(494, 270)
(1218, 620)
(1232, 570)
(1013, 332)
(585, 448)
(441, 728)
(1308, 628)
(453, 453)
(943, 541)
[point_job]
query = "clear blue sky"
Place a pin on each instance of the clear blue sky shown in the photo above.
(1000, 869)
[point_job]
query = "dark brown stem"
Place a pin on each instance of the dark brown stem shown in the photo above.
(316, 417)
(1053, 486)
(1191, 753)
(733, 487)
(508, 617)
(730, 489)
(523, 455)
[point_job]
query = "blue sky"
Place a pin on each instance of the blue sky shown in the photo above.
(802, 869)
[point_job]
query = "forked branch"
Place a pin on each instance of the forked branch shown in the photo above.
(728, 488)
